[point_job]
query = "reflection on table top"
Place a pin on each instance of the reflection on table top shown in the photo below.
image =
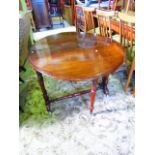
(76, 56)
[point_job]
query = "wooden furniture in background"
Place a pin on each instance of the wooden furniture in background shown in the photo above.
(103, 18)
(85, 19)
(127, 32)
(104, 23)
(67, 14)
(80, 21)
(69, 11)
(41, 13)
(89, 19)
(132, 69)
(76, 57)
(73, 3)
(115, 22)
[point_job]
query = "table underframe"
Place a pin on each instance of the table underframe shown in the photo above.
(92, 91)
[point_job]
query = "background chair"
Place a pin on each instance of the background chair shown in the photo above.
(90, 20)
(121, 5)
(80, 21)
(88, 15)
(104, 23)
(85, 19)
(127, 38)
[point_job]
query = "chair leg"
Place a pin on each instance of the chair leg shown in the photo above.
(129, 76)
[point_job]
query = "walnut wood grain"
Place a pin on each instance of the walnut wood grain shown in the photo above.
(76, 56)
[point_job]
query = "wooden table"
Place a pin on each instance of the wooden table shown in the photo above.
(76, 57)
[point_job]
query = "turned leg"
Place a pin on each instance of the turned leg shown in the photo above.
(104, 85)
(41, 83)
(92, 95)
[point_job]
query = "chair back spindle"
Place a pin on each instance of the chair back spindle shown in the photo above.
(88, 15)
(104, 22)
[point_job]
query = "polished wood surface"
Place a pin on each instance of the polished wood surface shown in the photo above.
(76, 56)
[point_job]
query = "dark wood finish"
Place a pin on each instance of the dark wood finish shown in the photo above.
(71, 95)
(48, 102)
(75, 56)
(41, 14)
(41, 83)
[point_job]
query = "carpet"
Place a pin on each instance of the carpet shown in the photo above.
(71, 129)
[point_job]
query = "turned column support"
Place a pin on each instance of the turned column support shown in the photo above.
(92, 95)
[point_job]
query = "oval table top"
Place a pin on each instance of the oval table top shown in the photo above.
(76, 56)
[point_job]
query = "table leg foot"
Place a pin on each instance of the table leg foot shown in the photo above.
(92, 95)
(104, 85)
